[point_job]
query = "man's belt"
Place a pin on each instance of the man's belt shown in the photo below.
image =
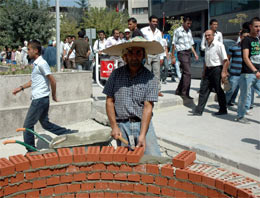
(130, 119)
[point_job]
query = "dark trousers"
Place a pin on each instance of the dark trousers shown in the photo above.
(211, 80)
(38, 111)
(184, 58)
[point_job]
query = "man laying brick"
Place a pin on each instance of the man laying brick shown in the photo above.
(131, 92)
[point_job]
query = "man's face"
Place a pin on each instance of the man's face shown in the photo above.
(121, 35)
(134, 56)
(214, 26)
(154, 23)
(131, 25)
(32, 52)
(127, 35)
(116, 34)
(69, 39)
(209, 36)
(255, 28)
(187, 24)
(101, 36)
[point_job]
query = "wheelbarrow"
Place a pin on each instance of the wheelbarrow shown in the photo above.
(100, 137)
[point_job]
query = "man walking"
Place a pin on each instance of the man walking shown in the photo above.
(215, 70)
(153, 62)
(69, 61)
(40, 79)
(132, 25)
(99, 44)
(250, 73)
(131, 91)
(183, 43)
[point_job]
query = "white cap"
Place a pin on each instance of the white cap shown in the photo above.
(127, 30)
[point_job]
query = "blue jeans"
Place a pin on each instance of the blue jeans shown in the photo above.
(133, 128)
(247, 81)
(164, 69)
(232, 93)
(38, 111)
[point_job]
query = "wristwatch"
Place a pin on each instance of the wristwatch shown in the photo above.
(255, 71)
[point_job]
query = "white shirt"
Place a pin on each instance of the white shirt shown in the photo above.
(99, 45)
(67, 47)
(217, 35)
(40, 82)
(112, 41)
(182, 40)
(164, 41)
(215, 54)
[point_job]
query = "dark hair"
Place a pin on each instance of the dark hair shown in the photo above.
(243, 31)
(35, 44)
(101, 31)
(213, 21)
(245, 26)
(81, 34)
(254, 20)
(152, 17)
(186, 18)
(132, 19)
(113, 31)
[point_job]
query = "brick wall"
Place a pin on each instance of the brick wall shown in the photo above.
(94, 172)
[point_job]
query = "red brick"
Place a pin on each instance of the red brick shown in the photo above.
(140, 188)
(82, 195)
(59, 171)
(113, 167)
(32, 175)
(17, 178)
(65, 155)
(180, 194)
(212, 193)
(126, 168)
(138, 196)
(72, 169)
(187, 186)
(141, 168)
(110, 195)
(99, 167)
(8, 190)
(4, 182)
(93, 153)
(195, 177)
(66, 178)
(167, 192)
(147, 179)
(79, 154)
(107, 176)
(135, 156)
(21, 195)
(60, 189)
(73, 188)
(6, 167)
(124, 195)
(208, 180)
(68, 196)
(101, 186)
(36, 161)
(53, 180)
(24, 186)
(79, 177)
(106, 154)
(167, 170)
(21, 163)
(154, 189)
(47, 191)
(133, 177)
(181, 174)
(120, 154)
(175, 184)
(33, 194)
(96, 195)
(87, 186)
(152, 168)
(86, 168)
(45, 173)
(200, 190)
(120, 176)
(161, 181)
(39, 183)
(51, 159)
(184, 159)
(114, 186)
(94, 176)
(127, 186)
(230, 189)
(219, 184)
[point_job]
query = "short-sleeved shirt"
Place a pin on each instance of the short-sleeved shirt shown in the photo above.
(130, 93)
(182, 39)
(215, 54)
(67, 47)
(236, 60)
(253, 45)
(40, 82)
(217, 35)
(81, 47)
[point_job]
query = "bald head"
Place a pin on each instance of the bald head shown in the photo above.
(209, 35)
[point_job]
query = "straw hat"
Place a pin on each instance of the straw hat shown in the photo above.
(151, 47)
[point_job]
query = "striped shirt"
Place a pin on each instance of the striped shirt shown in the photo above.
(130, 93)
(182, 39)
(236, 62)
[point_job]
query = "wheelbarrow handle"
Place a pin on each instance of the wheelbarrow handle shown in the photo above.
(9, 141)
(20, 142)
(20, 129)
(34, 133)
(123, 140)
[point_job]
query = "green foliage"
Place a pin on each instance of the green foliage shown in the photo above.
(175, 23)
(68, 26)
(25, 20)
(240, 18)
(83, 4)
(105, 19)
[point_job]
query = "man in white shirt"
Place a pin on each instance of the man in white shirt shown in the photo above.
(183, 43)
(69, 61)
(165, 66)
(153, 62)
(99, 44)
(24, 53)
(215, 71)
(217, 35)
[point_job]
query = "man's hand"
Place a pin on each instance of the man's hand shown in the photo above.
(141, 141)
(224, 76)
(196, 57)
(54, 97)
(115, 133)
(257, 75)
(173, 60)
(17, 90)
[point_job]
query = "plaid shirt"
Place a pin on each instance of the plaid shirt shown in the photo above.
(182, 39)
(130, 93)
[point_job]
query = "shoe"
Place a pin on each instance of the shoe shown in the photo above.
(242, 120)
(249, 113)
(221, 113)
(160, 94)
(230, 104)
(196, 113)
(186, 97)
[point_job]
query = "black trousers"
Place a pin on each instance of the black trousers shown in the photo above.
(211, 80)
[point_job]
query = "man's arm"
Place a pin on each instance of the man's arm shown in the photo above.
(173, 54)
(146, 118)
(194, 52)
(224, 72)
(111, 114)
(53, 86)
(203, 43)
(22, 87)
(249, 63)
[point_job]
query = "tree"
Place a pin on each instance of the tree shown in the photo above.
(25, 20)
(105, 19)
(83, 4)
(68, 26)
(240, 19)
(175, 23)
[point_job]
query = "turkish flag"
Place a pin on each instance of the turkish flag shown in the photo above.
(117, 8)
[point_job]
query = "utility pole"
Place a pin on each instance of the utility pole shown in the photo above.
(58, 34)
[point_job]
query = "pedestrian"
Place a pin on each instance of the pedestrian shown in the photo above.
(18, 56)
(234, 54)
(24, 53)
(132, 25)
(165, 66)
(13, 56)
(3, 55)
(250, 73)
(127, 35)
(121, 36)
(69, 61)
(183, 43)
(217, 35)
(215, 71)
(41, 77)
(99, 44)
(9, 55)
(50, 54)
(153, 62)
(131, 92)
(82, 52)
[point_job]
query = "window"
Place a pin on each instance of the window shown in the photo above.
(140, 10)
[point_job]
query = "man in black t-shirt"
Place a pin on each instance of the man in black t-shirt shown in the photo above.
(250, 75)
(132, 25)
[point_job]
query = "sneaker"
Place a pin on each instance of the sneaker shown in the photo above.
(164, 82)
(242, 120)
(249, 113)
